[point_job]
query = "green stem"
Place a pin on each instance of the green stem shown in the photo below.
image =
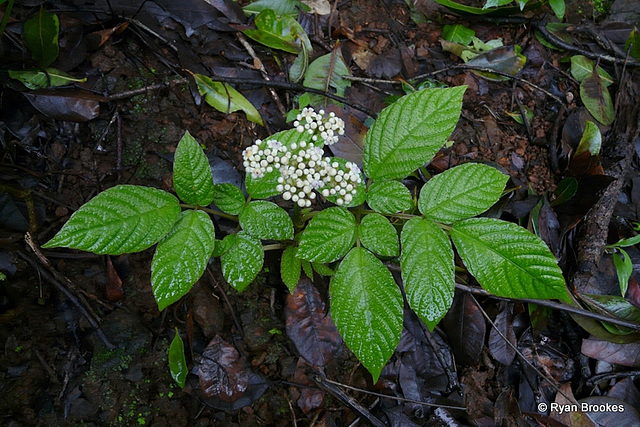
(273, 246)
(210, 211)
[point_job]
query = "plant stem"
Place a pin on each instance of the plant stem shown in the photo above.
(210, 211)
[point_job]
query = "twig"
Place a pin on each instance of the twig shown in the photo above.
(558, 42)
(355, 406)
(610, 376)
(257, 63)
(548, 378)
(399, 399)
(226, 299)
(58, 284)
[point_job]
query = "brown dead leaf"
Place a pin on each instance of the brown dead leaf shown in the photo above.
(223, 373)
(620, 354)
(564, 412)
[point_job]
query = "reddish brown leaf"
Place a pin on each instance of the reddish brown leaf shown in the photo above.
(311, 398)
(309, 326)
(222, 372)
(500, 349)
(568, 416)
(466, 328)
(67, 105)
(620, 354)
(114, 283)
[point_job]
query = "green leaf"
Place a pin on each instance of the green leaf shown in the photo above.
(222, 246)
(624, 243)
(427, 270)
(278, 32)
(366, 306)
(632, 45)
(181, 257)
(408, 133)
(39, 79)
(41, 37)
(328, 236)
(597, 99)
(322, 269)
(242, 263)
(496, 3)
(378, 235)
(582, 67)
(507, 260)
(307, 268)
(280, 7)
(290, 267)
(624, 269)
(558, 8)
(326, 73)
(389, 197)
(591, 140)
(458, 34)
(299, 66)
(263, 187)
(502, 11)
(266, 220)
(192, 178)
(177, 361)
(122, 219)
(565, 190)
(461, 192)
(228, 198)
(614, 306)
(225, 99)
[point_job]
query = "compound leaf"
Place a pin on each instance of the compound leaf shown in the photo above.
(290, 267)
(366, 306)
(228, 198)
(177, 360)
(225, 99)
(378, 235)
(389, 197)
(181, 257)
(461, 192)
(427, 270)
(266, 220)
(242, 263)
(122, 219)
(41, 37)
(409, 132)
(507, 260)
(192, 177)
(329, 235)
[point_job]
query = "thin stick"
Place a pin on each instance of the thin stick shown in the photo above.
(257, 63)
(399, 399)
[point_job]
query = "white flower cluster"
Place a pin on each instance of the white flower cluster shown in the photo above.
(303, 167)
(327, 129)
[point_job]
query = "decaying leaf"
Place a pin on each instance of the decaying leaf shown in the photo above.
(619, 354)
(466, 328)
(223, 373)
(309, 325)
(72, 106)
(500, 349)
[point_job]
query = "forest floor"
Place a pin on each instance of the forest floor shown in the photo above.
(122, 127)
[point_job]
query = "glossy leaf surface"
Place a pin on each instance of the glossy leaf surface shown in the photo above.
(328, 236)
(228, 198)
(389, 197)
(427, 269)
(461, 192)
(225, 99)
(507, 260)
(408, 133)
(181, 257)
(192, 177)
(366, 306)
(242, 263)
(266, 220)
(177, 360)
(122, 219)
(378, 235)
